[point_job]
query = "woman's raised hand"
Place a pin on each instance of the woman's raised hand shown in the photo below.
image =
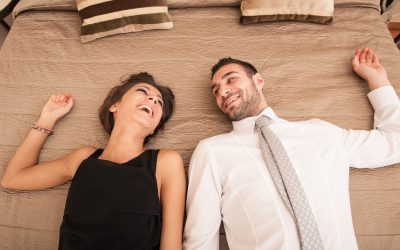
(56, 107)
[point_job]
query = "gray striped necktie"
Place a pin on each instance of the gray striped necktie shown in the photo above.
(288, 185)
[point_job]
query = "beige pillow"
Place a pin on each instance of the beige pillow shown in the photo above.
(316, 11)
(108, 17)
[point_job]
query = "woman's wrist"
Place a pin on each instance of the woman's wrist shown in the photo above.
(45, 123)
(42, 129)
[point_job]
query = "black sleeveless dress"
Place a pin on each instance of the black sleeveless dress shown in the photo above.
(113, 206)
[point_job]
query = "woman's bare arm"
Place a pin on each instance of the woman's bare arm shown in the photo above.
(23, 170)
(172, 195)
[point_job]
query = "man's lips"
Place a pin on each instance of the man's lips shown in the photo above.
(230, 100)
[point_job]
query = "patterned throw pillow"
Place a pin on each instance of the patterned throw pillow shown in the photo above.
(316, 11)
(108, 17)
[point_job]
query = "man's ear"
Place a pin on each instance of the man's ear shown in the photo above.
(259, 81)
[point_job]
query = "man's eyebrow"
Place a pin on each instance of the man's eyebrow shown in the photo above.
(223, 77)
(227, 74)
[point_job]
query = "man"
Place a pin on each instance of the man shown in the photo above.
(232, 179)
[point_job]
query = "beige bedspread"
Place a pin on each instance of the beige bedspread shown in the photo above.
(307, 68)
(172, 4)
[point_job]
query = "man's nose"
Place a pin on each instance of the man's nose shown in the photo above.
(224, 91)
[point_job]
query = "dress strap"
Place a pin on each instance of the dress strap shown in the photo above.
(153, 160)
(96, 153)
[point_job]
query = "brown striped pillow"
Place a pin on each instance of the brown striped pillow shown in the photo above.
(316, 11)
(108, 17)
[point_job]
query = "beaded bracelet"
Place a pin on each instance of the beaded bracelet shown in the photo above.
(42, 130)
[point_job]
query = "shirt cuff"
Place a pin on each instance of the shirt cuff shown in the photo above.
(382, 97)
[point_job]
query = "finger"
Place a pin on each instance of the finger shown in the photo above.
(68, 97)
(357, 52)
(368, 56)
(52, 98)
(58, 98)
(375, 58)
(356, 58)
(65, 97)
(70, 102)
(362, 55)
(61, 97)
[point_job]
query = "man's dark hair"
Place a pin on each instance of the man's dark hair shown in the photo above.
(116, 93)
(249, 68)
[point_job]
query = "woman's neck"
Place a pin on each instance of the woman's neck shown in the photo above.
(123, 145)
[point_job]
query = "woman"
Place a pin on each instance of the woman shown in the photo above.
(122, 197)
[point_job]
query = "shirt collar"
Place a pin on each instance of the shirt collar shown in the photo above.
(247, 124)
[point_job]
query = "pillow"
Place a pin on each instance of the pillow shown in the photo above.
(316, 11)
(108, 17)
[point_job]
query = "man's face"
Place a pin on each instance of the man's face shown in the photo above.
(236, 93)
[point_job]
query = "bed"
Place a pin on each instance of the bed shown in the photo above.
(307, 69)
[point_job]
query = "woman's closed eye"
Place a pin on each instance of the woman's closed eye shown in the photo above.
(159, 100)
(142, 90)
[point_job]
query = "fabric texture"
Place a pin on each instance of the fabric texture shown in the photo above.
(288, 185)
(229, 180)
(103, 18)
(316, 11)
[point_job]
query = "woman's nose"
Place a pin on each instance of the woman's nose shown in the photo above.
(152, 98)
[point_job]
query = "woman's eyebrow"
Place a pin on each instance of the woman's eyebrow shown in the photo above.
(143, 86)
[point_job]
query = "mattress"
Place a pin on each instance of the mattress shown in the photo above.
(307, 68)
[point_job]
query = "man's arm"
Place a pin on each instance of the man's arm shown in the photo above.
(380, 146)
(203, 202)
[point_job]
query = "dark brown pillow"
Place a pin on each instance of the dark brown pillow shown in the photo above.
(108, 17)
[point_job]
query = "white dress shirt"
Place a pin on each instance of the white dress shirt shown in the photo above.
(229, 180)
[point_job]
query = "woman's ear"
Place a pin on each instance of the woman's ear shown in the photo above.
(113, 108)
(259, 81)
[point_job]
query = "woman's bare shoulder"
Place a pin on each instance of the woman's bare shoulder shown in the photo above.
(169, 162)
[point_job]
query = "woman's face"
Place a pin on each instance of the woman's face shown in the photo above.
(143, 103)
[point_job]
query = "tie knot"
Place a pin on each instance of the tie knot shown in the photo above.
(262, 121)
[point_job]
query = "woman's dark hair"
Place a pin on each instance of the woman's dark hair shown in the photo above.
(116, 93)
(248, 67)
